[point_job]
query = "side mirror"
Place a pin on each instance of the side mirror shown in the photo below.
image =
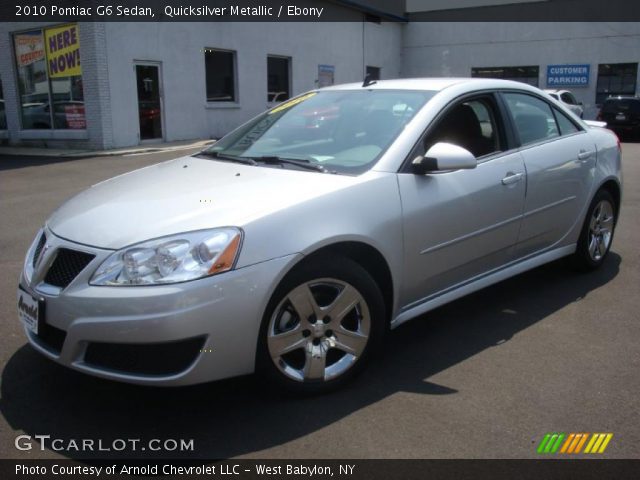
(443, 156)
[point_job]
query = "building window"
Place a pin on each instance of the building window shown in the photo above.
(50, 78)
(527, 74)
(372, 72)
(616, 79)
(278, 78)
(220, 74)
(3, 116)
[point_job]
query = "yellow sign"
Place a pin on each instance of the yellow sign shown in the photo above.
(291, 103)
(62, 45)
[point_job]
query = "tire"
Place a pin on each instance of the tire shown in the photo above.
(306, 345)
(597, 233)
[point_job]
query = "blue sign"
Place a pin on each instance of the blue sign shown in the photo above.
(568, 75)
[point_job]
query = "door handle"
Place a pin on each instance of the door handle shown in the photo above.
(584, 154)
(512, 178)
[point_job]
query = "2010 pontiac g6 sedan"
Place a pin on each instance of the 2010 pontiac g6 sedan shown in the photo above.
(292, 244)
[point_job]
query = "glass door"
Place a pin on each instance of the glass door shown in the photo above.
(149, 101)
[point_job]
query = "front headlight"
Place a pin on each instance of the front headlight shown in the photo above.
(173, 259)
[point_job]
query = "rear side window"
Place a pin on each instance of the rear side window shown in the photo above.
(533, 118)
(565, 125)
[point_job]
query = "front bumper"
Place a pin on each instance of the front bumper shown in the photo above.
(218, 318)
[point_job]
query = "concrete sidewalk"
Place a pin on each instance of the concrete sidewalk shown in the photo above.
(70, 153)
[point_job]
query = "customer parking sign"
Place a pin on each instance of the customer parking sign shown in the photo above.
(568, 75)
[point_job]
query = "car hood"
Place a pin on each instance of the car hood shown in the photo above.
(183, 195)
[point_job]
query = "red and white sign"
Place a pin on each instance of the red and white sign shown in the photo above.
(29, 48)
(74, 114)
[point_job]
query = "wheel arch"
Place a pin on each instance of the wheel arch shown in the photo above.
(368, 257)
(613, 187)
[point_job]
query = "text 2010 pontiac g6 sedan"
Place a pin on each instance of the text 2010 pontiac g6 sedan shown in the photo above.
(293, 243)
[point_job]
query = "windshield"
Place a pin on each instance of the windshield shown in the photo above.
(342, 131)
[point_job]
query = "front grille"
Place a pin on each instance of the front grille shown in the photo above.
(158, 359)
(66, 266)
(38, 250)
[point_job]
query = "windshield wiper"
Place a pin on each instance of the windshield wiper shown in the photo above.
(273, 160)
(224, 156)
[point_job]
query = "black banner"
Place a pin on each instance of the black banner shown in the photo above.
(546, 469)
(190, 11)
(309, 11)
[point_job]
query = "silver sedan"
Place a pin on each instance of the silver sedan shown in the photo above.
(294, 243)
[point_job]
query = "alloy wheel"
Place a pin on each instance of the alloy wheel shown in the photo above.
(600, 230)
(319, 330)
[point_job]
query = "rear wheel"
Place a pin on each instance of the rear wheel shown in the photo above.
(597, 233)
(321, 325)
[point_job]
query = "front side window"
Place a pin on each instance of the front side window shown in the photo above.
(50, 78)
(220, 75)
(471, 125)
(343, 131)
(533, 118)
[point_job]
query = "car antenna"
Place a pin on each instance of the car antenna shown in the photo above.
(368, 81)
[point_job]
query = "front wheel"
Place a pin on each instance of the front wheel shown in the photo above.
(597, 233)
(321, 325)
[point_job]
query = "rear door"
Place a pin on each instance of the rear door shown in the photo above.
(559, 157)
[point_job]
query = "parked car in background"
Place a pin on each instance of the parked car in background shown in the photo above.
(622, 115)
(66, 114)
(569, 100)
(311, 242)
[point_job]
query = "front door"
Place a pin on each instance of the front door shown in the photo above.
(149, 101)
(464, 223)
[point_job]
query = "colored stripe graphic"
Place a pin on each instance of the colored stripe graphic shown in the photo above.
(598, 443)
(568, 442)
(573, 443)
(551, 442)
(543, 443)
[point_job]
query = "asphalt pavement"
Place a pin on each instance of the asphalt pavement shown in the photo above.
(484, 377)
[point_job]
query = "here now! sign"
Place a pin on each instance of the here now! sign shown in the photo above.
(568, 75)
(63, 51)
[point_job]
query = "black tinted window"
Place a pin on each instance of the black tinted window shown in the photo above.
(220, 75)
(622, 105)
(471, 125)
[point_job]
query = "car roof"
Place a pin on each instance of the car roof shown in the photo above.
(435, 84)
(557, 91)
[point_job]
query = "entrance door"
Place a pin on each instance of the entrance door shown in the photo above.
(149, 101)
